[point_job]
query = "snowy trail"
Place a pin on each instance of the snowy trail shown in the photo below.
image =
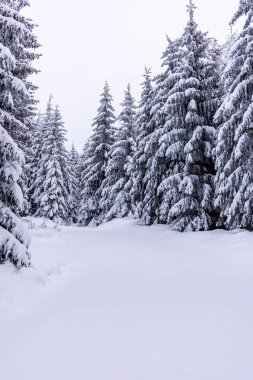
(128, 303)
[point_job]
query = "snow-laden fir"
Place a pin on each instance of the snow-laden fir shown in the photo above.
(190, 106)
(96, 160)
(143, 129)
(234, 154)
(52, 185)
(115, 199)
(17, 52)
(74, 189)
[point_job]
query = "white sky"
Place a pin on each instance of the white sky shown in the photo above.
(86, 42)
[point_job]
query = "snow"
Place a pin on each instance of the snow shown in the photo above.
(124, 302)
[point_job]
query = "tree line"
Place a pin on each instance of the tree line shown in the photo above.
(182, 156)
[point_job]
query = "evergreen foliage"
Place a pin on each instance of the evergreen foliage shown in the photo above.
(74, 196)
(190, 138)
(50, 187)
(17, 52)
(115, 200)
(143, 129)
(96, 161)
(234, 195)
(157, 165)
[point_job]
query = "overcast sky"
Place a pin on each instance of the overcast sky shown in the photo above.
(86, 42)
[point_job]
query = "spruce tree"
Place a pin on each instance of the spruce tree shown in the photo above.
(225, 51)
(14, 240)
(188, 188)
(33, 164)
(82, 166)
(50, 194)
(74, 196)
(157, 164)
(143, 128)
(18, 38)
(96, 161)
(64, 162)
(28, 169)
(116, 200)
(44, 124)
(16, 41)
(234, 195)
(83, 173)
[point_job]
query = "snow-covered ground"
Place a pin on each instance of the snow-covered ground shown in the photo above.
(123, 302)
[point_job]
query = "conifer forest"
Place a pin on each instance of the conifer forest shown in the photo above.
(131, 259)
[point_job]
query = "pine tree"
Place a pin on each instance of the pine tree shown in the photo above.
(82, 166)
(234, 195)
(14, 240)
(96, 161)
(44, 124)
(143, 129)
(65, 165)
(157, 165)
(116, 200)
(33, 164)
(50, 194)
(83, 175)
(28, 169)
(18, 38)
(16, 41)
(74, 196)
(188, 189)
(225, 50)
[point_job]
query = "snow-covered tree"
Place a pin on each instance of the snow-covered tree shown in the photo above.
(17, 43)
(225, 50)
(83, 175)
(27, 176)
(65, 165)
(116, 201)
(44, 123)
(143, 129)
(50, 194)
(14, 238)
(32, 166)
(190, 137)
(157, 165)
(74, 196)
(96, 161)
(234, 150)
